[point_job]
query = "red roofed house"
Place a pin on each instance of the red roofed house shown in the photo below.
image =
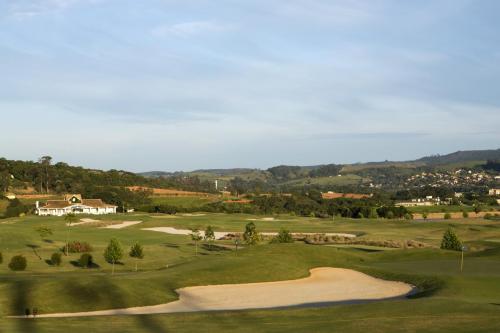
(73, 203)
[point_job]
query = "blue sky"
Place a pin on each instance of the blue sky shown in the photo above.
(182, 85)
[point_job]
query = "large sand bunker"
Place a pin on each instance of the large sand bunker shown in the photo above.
(324, 285)
(222, 234)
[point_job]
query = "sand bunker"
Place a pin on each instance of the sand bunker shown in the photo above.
(122, 225)
(222, 234)
(324, 285)
(263, 219)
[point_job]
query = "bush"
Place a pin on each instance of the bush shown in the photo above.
(447, 216)
(450, 241)
(408, 216)
(487, 216)
(78, 247)
(85, 260)
(18, 263)
(16, 208)
(284, 236)
(465, 214)
(390, 214)
(1, 258)
(56, 259)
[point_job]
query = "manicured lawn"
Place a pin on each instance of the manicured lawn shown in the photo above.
(454, 301)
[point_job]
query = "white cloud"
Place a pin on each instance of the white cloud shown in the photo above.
(186, 29)
(29, 8)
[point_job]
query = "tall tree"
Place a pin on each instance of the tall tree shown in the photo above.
(70, 218)
(45, 162)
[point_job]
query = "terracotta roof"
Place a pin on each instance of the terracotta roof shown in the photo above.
(96, 203)
(56, 204)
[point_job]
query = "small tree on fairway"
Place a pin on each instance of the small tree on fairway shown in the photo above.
(424, 215)
(251, 236)
(137, 252)
(447, 216)
(18, 263)
(465, 214)
(477, 209)
(70, 218)
(450, 241)
(113, 253)
(196, 237)
(55, 259)
(1, 258)
(209, 235)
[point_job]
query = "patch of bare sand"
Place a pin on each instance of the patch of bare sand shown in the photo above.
(84, 221)
(122, 225)
(324, 285)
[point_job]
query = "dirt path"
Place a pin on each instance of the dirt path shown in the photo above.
(222, 234)
(324, 285)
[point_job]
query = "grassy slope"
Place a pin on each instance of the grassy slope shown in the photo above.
(348, 179)
(464, 302)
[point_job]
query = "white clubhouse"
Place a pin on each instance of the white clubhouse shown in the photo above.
(73, 203)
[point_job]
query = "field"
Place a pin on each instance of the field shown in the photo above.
(348, 179)
(451, 301)
(184, 202)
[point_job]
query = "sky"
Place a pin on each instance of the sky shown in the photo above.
(191, 84)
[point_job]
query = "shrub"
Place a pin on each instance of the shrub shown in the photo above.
(450, 241)
(251, 236)
(465, 214)
(284, 236)
(56, 259)
(79, 247)
(487, 216)
(85, 260)
(408, 216)
(1, 258)
(424, 215)
(390, 214)
(18, 263)
(447, 216)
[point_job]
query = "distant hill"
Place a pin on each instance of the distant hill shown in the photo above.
(461, 157)
(455, 159)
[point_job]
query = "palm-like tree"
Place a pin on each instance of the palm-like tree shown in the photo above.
(70, 218)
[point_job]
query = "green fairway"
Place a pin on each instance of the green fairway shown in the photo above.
(450, 300)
